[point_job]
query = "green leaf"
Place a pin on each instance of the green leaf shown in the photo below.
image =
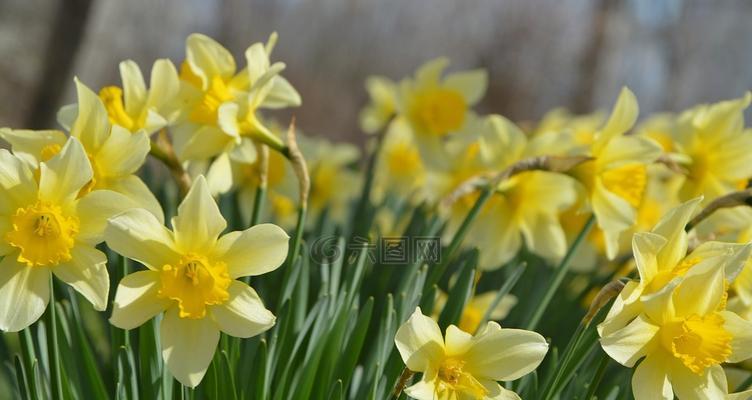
(460, 293)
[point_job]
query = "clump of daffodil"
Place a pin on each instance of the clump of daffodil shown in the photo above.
(221, 104)
(436, 107)
(524, 206)
(47, 226)
(191, 277)
(462, 366)
(614, 180)
(114, 153)
(383, 106)
(476, 308)
(683, 335)
(661, 256)
(134, 106)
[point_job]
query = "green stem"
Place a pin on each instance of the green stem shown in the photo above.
(294, 250)
(503, 291)
(362, 228)
(561, 272)
(437, 272)
(56, 379)
(258, 204)
(598, 377)
(31, 362)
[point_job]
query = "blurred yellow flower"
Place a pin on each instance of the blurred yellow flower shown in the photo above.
(48, 227)
(191, 276)
(476, 308)
(400, 170)
(383, 106)
(462, 366)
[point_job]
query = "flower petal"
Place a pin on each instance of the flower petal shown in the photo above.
(28, 144)
(741, 331)
(701, 290)
(62, 177)
(208, 58)
(113, 161)
(87, 273)
(629, 344)
(244, 314)
(139, 194)
(24, 294)
(164, 84)
(623, 150)
(138, 235)
(17, 183)
(622, 118)
(471, 84)
(136, 300)
(419, 342)
(95, 209)
(424, 389)
(646, 246)
(625, 308)
(671, 226)
(134, 87)
(92, 125)
(710, 384)
(614, 216)
(257, 250)
(188, 346)
(505, 354)
(497, 392)
(199, 222)
(650, 381)
(457, 341)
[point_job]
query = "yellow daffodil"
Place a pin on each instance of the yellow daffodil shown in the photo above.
(115, 154)
(400, 170)
(436, 107)
(222, 103)
(526, 205)
(48, 227)
(191, 276)
(462, 366)
(719, 150)
(661, 255)
(615, 179)
(683, 336)
(476, 308)
(383, 106)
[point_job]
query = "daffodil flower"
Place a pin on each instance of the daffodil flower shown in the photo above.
(191, 277)
(383, 106)
(683, 336)
(115, 154)
(400, 170)
(661, 256)
(476, 308)
(462, 366)
(615, 179)
(436, 107)
(222, 103)
(48, 227)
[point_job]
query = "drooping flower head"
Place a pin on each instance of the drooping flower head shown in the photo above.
(191, 277)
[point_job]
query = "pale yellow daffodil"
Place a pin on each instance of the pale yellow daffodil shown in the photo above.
(683, 336)
(400, 170)
(222, 104)
(191, 277)
(48, 227)
(383, 106)
(115, 154)
(462, 366)
(616, 177)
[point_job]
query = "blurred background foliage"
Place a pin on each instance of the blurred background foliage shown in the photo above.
(540, 53)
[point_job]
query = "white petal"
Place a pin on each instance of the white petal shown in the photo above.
(505, 354)
(138, 235)
(424, 389)
(135, 189)
(219, 176)
(281, 94)
(254, 251)
(650, 381)
(188, 346)
(629, 344)
(87, 273)
(199, 222)
(63, 176)
(123, 153)
(419, 342)
(24, 294)
(497, 392)
(66, 115)
(92, 125)
(457, 342)
(136, 300)
(244, 314)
